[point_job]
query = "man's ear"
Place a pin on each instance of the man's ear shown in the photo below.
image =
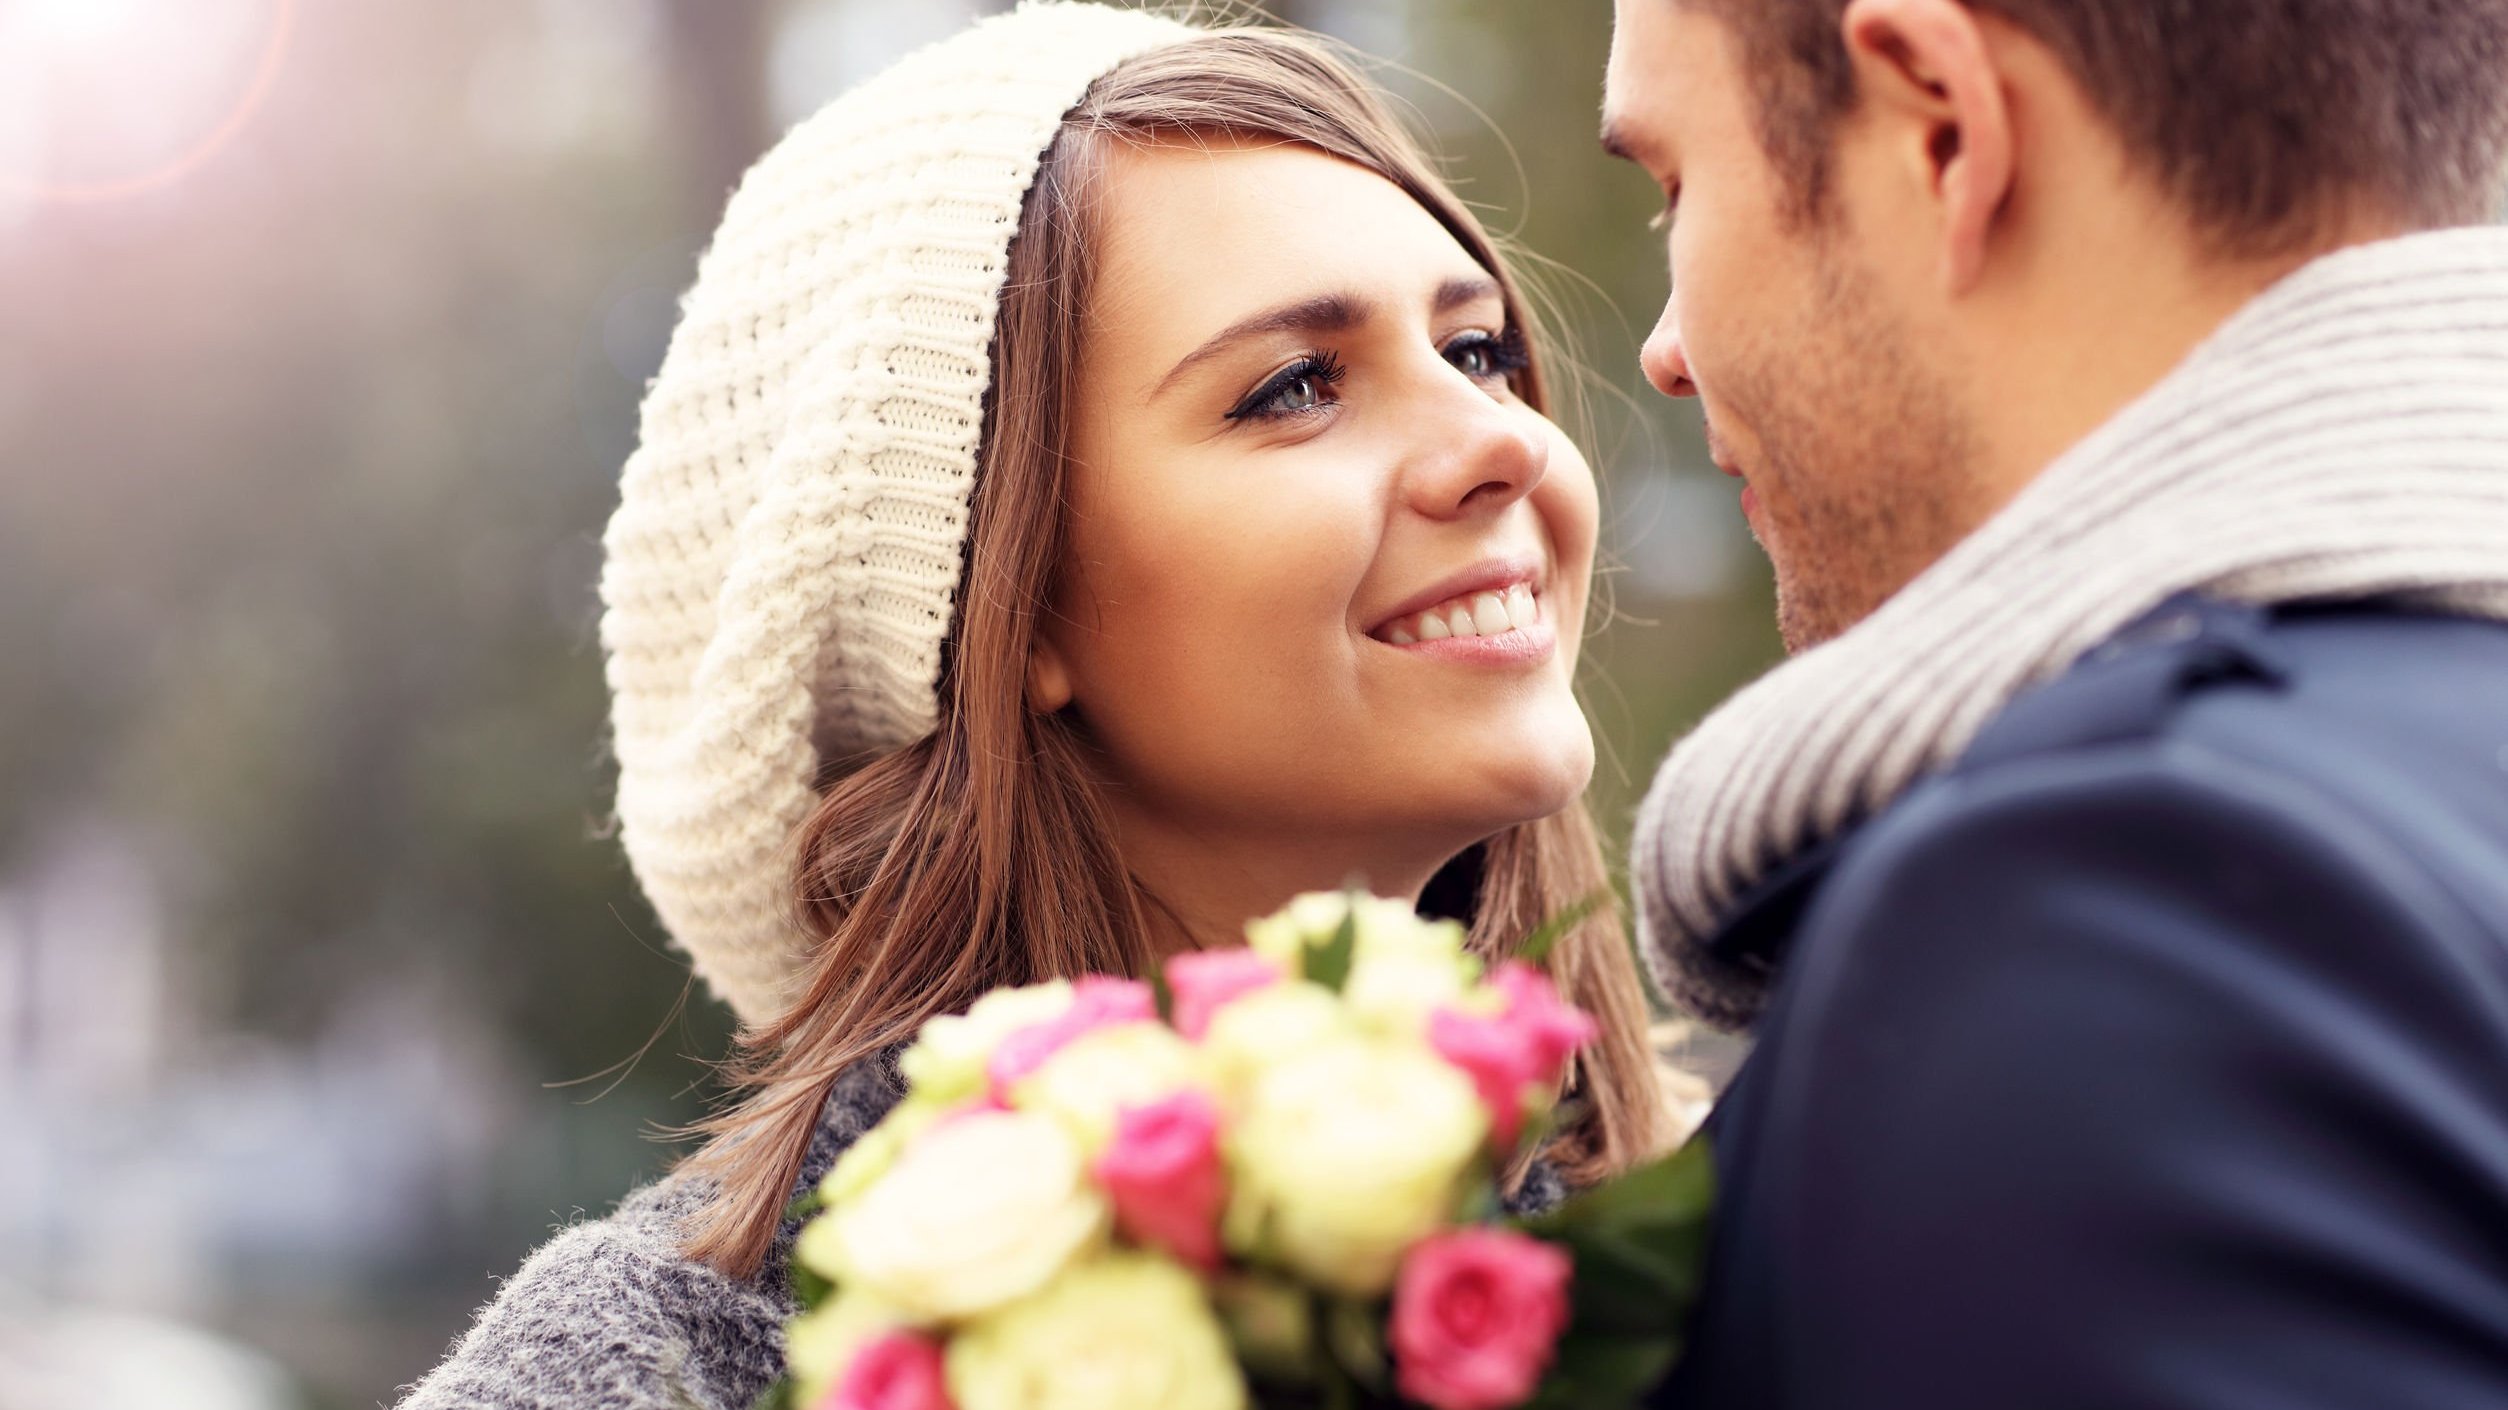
(1049, 677)
(1928, 63)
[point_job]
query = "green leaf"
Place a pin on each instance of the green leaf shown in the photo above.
(808, 1288)
(1162, 995)
(782, 1395)
(1673, 1190)
(1545, 937)
(1605, 1372)
(1328, 964)
(1639, 1244)
(1339, 1391)
(1354, 1332)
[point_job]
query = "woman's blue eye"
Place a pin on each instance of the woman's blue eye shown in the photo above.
(1486, 357)
(1295, 390)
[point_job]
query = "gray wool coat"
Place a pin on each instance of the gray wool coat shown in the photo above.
(609, 1315)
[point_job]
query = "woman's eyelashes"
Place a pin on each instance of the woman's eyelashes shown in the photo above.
(1305, 386)
(1489, 357)
(1299, 389)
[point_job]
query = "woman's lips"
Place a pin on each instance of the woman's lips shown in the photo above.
(1486, 628)
(1495, 614)
(1482, 612)
(1518, 646)
(1500, 576)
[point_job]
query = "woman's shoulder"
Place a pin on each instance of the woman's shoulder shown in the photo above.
(611, 1313)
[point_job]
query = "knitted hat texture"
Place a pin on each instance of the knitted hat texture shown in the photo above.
(781, 567)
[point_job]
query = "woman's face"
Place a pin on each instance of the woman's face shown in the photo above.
(1327, 574)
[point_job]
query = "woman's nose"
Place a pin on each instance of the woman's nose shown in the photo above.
(1486, 454)
(1665, 360)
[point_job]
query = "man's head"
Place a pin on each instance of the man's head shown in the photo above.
(1920, 247)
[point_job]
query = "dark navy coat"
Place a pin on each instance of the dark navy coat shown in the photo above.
(2155, 1057)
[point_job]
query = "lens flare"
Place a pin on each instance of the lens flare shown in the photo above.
(80, 21)
(88, 32)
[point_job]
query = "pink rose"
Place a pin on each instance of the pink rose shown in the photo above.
(1163, 1173)
(893, 1371)
(1476, 1316)
(1096, 1002)
(1526, 1045)
(1553, 1030)
(1203, 981)
(1496, 1056)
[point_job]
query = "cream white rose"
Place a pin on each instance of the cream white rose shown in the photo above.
(1403, 966)
(1130, 1331)
(1266, 1026)
(978, 1211)
(1088, 1083)
(1315, 917)
(1394, 990)
(871, 1154)
(1347, 1154)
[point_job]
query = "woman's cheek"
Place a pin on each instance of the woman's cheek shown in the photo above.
(1572, 517)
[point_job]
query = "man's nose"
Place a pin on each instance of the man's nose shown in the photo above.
(1665, 361)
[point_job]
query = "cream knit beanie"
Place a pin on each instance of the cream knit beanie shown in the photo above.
(782, 564)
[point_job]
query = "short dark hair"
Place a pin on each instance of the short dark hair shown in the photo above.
(2267, 119)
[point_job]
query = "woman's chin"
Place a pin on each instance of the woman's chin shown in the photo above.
(1539, 778)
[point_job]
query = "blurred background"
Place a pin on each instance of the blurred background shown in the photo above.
(323, 995)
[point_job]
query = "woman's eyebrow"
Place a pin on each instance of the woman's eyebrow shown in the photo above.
(1456, 293)
(1324, 313)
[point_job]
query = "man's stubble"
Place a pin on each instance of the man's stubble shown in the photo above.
(1865, 474)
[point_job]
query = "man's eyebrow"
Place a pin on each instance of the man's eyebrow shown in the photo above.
(1324, 313)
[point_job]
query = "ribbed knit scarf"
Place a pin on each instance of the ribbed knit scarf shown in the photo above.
(2343, 437)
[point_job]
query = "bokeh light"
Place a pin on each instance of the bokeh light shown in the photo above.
(106, 99)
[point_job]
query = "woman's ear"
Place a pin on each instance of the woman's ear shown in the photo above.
(1928, 65)
(1049, 677)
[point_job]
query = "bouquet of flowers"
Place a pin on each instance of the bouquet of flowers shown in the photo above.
(1267, 1177)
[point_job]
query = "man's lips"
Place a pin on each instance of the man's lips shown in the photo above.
(1720, 454)
(1750, 501)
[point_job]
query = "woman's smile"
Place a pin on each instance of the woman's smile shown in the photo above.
(1490, 615)
(1531, 644)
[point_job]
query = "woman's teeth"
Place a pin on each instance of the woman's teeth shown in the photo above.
(1479, 614)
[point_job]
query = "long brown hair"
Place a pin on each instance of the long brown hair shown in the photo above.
(981, 855)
